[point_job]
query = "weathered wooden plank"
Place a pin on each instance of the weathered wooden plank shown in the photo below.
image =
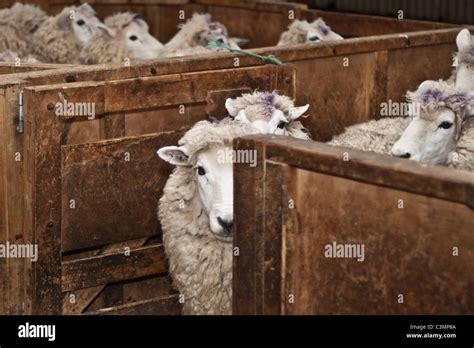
(407, 251)
(168, 305)
(121, 202)
(119, 266)
(43, 190)
(249, 226)
(436, 181)
(271, 258)
(75, 302)
(357, 25)
(160, 91)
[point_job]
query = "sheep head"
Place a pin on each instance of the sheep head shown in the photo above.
(203, 153)
(81, 21)
(270, 113)
(216, 31)
(132, 32)
(439, 112)
(300, 32)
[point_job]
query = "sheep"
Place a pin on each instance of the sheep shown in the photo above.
(9, 56)
(301, 32)
(60, 38)
(17, 25)
(270, 113)
(194, 36)
(373, 136)
(441, 132)
(196, 214)
(124, 36)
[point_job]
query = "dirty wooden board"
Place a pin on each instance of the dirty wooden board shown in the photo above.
(168, 305)
(118, 266)
(407, 251)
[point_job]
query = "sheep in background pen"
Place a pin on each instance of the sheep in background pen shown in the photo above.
(194, 36)
(442, 132)
(301, 32)
(373, 136)
(17, 27)
(124, 36)
(60, 38)
(380, 135)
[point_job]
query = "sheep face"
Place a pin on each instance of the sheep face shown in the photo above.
(439, 116)
(81, 21)
(214, 179)
(430, 139)
(266, 114)
(319, 31)
(140, 43)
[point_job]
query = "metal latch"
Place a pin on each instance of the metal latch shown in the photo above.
(20, 127)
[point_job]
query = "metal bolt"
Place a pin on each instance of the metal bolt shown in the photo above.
(50, 224)
(70, 78)
(50, 106)
(153, 71)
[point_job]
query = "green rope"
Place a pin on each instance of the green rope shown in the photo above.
(268, 59)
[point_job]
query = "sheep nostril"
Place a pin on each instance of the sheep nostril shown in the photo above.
(226, 225)
(406, 155)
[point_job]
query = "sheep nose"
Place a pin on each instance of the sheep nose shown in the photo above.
(406, 155)
(226, 225)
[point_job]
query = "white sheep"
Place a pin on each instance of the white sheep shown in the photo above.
(195, 35)
(125, 36)
(17, 26)
(270, 113)
(196, 215)
(373, 136)
(441, 132)
(9, 56)
(59, 39)
(301, 32)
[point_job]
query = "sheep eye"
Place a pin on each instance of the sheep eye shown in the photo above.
(445, 125)
(80, 22)
(282, 125)
(314, 38)
(221, 41)
(133, 38)
(201, 171)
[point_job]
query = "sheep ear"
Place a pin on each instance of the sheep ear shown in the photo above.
(463, 40)
(174, 155)
(230, 107)
(106, 30)
(242, 117)
(86, 10)
(297, 112)
(64, 19)
(141, 22)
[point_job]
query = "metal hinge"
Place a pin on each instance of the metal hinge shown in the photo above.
(20, 127)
